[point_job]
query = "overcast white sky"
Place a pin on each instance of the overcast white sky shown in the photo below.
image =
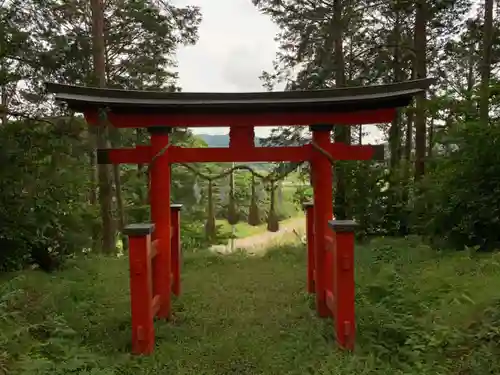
(236, 43)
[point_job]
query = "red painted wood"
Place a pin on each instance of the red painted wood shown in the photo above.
(176, 251)
(155, 304)
(160, 213)
(329, 270)
(154, 246)
(344, 289)
(341, 151)
(329, 243)
(338, 151)
(142, 154)
(137, 155)
(242, 138)
(256, 119)
(141, 295)
(310, 248)
(155, 267)
(227, 155)
(323, 212)
(330, 301)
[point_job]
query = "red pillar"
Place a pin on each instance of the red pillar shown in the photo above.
(309, 209)
(175, 211)
(323, 212)
(344, 290)
(141, 288)
(242, 137)
(160, 214)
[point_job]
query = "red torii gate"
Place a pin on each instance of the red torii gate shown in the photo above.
(155, 248)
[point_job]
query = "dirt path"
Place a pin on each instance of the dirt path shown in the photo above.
(290, 231)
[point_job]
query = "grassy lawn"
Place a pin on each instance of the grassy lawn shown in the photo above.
(418, 312)
(243, 230)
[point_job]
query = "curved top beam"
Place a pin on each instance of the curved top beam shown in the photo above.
(338, 100)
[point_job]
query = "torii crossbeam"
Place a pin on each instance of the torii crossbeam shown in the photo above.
(154, 262)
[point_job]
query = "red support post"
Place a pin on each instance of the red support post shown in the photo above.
(160, 214)
(309, 209)
(329, 268)
(141, 288)
(323, 212)
(175, 211)
(242, 138)
(343, 283)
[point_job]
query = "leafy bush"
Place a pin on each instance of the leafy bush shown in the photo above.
(459, 200)
(44, 186)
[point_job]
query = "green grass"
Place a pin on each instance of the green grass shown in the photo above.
(243, 230)
(418, 312)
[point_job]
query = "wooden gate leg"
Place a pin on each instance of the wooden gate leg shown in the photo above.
(343, 282)
(160, 213)
(141, 288)
(323, 211)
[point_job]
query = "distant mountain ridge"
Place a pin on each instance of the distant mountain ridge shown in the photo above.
(221, 140)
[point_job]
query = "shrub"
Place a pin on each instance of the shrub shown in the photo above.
(459, 200)
(44, 188)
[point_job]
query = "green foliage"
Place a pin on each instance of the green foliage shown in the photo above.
(367, 196)
(377, 45)
(45, 180)
(424, 311)
(141, 38)
(44, 184)
(193, 214)
(458, 203)
(418, 312)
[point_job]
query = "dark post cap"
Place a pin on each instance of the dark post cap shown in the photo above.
(343, 226)
(138, 230)
(176, 206)
(307, 205)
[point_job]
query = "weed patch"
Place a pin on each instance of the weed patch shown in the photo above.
(418, 312)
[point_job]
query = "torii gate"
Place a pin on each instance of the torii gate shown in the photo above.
(155, 265)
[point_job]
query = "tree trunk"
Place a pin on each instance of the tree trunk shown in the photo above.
(105, 186)
(410, 117)
(342, 133)
(93, 189)
(115, 137)
(3, 105)
(469, 105)
(3, 85)
(142, 174)
(421, 71)
(3, 93)
(140, 167)
(395, 129)
(394, 212)
(486, 63)
(119, 198)
(430, 141)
